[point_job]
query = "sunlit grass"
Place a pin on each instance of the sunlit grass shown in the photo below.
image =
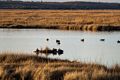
(30, 67)
(93, 20)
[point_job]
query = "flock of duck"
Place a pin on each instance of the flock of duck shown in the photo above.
(47, 51)
(100, 40)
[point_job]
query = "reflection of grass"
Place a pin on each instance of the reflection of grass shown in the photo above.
(61, 19)
(30, 67)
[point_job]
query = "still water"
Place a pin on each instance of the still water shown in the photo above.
(91, 50)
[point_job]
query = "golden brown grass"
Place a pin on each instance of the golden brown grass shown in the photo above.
(61, 19)
(31, 67)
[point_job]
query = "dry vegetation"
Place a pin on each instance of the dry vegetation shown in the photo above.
(31, 67)
(92, 20)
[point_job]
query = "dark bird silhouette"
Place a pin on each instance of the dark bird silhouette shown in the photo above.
(60, 51)
(47, 51)
(118, 41)
(54, 51)
(37, 51)
(58, 42)
(82, 40)
(47, 39)
(102, 39)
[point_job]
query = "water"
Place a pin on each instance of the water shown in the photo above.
(91, 50)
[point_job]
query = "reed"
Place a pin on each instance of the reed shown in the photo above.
(101, 20)
(31, 67)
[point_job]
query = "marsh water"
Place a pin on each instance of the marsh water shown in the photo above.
(91, 50)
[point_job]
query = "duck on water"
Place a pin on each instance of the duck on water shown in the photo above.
(47, 51)
(118, 41)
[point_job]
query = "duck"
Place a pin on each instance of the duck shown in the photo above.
(58, 42)
(102, 39)
(47, 39)
(118, 41)
(60, 52)
(82, 40)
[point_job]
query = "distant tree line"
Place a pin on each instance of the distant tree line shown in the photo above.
(57, 5)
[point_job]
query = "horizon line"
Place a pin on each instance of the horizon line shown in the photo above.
(62, 1)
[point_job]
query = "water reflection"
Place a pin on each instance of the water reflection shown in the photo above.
(102, 47)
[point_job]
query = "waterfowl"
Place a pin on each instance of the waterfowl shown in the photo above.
(54, 51)
(58, 42)
(47, 51)
(60, 51)
(37, 51)
(118, 41)
(102, 39)
(82, 40)
(47, 39)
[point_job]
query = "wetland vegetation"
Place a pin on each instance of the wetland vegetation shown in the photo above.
(31, 67)
(85, 20)
(23, 66)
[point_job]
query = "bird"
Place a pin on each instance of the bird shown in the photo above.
(118, 41)
(47, 39)
(37, 51)
(58, 42)
(102, 39)
(60, 51)
(82, 40)
(54, 51)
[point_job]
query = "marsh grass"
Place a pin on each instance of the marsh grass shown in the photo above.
(93, 20)
(30, 67)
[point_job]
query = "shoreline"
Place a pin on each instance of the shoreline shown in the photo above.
(31, 67)
(81, 28)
